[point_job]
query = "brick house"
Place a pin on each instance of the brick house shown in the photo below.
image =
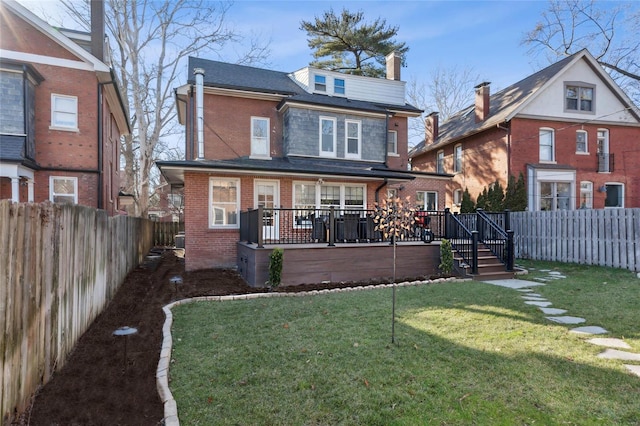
(569, 129)
(61, 113)
(304, 141)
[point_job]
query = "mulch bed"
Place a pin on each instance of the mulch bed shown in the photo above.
(96, 386)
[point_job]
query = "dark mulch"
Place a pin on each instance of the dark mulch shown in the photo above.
(95, 386)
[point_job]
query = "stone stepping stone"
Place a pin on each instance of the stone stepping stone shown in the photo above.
(538, 299)
(541, 279)
(555, 273)
(553, 311)
(616, 354)
(610, 342)
(635, 369)
(535, 295)
(567, 320)
(525, 290)
(590, 329)
(539, 304)
(512, 283)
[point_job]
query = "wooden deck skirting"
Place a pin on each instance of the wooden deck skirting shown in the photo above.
(314, 263)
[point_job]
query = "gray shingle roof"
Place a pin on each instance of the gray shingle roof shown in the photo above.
(12, 151)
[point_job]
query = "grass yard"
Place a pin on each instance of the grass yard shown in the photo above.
(466, 353)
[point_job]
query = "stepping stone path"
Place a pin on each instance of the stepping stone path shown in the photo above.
(613, 345)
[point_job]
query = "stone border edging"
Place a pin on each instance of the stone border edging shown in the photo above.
(162, 372)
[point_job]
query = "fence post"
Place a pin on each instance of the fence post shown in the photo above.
(474, 253)
(332, 227)
(507, 219)
(260, 227)
(480, 224)
(510, 254)
(447, 223)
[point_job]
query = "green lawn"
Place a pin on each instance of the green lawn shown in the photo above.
(466, 353)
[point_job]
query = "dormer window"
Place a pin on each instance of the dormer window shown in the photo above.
(320, 83)
(338, 86)
(579, 98)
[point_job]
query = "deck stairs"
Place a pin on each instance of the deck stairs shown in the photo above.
(489, 266)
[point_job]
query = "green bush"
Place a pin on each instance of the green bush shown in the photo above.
(446, 257)
(275, 267)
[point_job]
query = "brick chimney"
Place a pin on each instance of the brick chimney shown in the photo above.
(394, 61)
(482, 101)
(431, 128)
(97, 29)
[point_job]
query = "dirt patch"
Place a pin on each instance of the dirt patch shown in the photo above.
(96, 386)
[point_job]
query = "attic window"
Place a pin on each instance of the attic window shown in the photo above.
(579, 98)
(320, 83)
(338, 86)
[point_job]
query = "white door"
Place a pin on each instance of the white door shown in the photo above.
(267, 196)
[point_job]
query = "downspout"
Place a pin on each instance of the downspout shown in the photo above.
(199, 73)
(192, 146)
(386, 139)
(100, 148)
(508, 130)
(382, 185)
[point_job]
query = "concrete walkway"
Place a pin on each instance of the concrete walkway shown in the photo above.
(614, 346)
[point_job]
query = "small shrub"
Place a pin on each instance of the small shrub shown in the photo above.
(275, 267)
(446, 257)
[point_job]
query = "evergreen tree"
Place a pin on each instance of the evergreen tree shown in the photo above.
(516, 195)
(467, 205)
(481, 202)
(495, 198)
(347, 44)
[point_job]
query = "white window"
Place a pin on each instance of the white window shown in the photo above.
(581, 142)
(260, 145)
(586, 195)
(555, 196)
(338, 86)
(353, 138)
(579, 98)
(457, 161)
(615, 195)
(63, 189)
(392, 142)
(327, 136)
(304, 203)
(320, 83)
(224, 197)
(457, 197)
(546, 145)
(64, 112)
(308, 196)
(440, 162)
(602, 150)
(427, 200)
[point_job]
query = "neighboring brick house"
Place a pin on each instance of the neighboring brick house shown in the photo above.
(569, 129)
(303, 140)
(61, 113)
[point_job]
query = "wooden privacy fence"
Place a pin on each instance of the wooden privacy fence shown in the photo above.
(165, 232)
(609, 237)
(59, 267)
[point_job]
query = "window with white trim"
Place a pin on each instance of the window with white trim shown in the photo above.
(547, 145)
(260, 145)
(457, 158)
(457, 197)
(353, 138)
(579, 98)
(320, 83)
(338, 86)
(392, 142)
(555, 196)
(327, 136)
(64, 112)
(602, 151)
(615, 195)
(224, 202)
(309, 196)
(63, 189)
(581, 142)
(440, 162)
(586, 195)
(304, 203)
(427, 200)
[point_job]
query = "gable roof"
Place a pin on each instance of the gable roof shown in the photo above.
(507, 103)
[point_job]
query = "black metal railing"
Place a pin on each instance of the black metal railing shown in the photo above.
(497, 239)
(328, 226)
(463, 240)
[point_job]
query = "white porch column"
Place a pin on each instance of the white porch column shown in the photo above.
(15, 189)
(30, 183)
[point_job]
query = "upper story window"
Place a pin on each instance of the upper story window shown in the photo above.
(579, 98)
(224, 202)
(260, 136)
(64, 112)
(392, 142)
(338, 86)
(581, 142)
(17, 108)
(427, 200)
(547, 145)
(440, 162)
(328, 136)
(602, 151)
(63, 189)
(320, 83)
(457, 160)
(353, 139)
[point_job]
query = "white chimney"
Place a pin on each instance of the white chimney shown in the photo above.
(199, 73)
